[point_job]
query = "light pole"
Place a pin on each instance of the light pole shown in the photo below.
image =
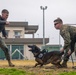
(43, 8)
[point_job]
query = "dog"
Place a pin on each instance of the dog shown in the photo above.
(43, 57)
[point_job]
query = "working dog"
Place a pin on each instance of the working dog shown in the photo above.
(43, 57)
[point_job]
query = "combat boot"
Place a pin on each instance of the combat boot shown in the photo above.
(8, 57)
(11, 65)
(64, 64)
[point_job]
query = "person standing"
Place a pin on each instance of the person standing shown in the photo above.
(68, 33)
(3, 22)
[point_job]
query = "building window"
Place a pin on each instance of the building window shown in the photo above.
(17, 50)
(17, 34)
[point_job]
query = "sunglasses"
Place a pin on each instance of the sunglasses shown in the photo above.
(55, 24)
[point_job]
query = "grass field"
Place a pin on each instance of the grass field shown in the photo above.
(27, 66)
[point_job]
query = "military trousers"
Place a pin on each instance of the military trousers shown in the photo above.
(72, 48)
(4, 47)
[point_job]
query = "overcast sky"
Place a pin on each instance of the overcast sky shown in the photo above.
(29, 10)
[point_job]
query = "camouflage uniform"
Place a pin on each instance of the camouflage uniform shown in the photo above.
(69, 35)
(2, 43)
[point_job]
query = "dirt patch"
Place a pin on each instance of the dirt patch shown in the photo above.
(28, 66)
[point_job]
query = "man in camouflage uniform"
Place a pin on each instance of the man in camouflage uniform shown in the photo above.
(3, 22)
(68, 33)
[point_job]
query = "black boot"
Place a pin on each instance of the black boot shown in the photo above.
(64, 64)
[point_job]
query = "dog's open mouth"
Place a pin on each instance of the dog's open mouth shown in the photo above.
(29, 48)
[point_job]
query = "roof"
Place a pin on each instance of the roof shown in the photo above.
(29, 29)
(26, 40)
(18, 24)
(53, 45)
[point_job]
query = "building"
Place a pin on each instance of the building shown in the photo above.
(18, 43)
(52, 47)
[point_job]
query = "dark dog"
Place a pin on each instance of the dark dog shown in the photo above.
(43, 57)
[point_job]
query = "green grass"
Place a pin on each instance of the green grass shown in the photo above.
(68, 73)
(6, 71)
(13, 71)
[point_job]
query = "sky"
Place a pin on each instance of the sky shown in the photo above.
(29, 11)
